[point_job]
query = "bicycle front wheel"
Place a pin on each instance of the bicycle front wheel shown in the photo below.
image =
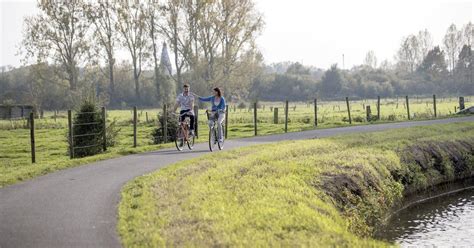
(212, 139)
(190, 142)
(222, 139)
(179, 141)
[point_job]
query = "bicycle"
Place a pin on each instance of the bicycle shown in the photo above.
(182, 133)
(213, 131)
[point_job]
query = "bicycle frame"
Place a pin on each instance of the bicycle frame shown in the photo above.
(182, 133)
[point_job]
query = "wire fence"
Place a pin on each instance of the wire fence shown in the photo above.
(52, 135)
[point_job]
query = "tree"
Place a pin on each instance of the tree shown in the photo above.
(152, 22)
(211, 38)
(408, 54)
(104, 18)
(425, 43)
(297, 69)
(239, 24)
(452, 43)
(434, 65)
(370, 59)
(132, 27)
(331, 83)
(465, 69)
(58, 32)
(468, 34)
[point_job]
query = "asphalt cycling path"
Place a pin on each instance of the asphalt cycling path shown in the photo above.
(77, 207)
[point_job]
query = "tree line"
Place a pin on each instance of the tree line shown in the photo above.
(419, 68)
(70, 52)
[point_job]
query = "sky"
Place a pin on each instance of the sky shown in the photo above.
(311, 32)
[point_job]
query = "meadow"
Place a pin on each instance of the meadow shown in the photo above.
(52, 145)
(331, 192)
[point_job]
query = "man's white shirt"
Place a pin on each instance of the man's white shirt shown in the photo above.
(185, 102)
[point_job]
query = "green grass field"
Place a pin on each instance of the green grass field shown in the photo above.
(328, 192)
(52, 146)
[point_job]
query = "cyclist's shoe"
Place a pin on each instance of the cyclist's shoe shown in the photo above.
(221, 140)
(191, 132)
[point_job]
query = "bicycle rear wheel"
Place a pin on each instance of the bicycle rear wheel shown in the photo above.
(179, 141)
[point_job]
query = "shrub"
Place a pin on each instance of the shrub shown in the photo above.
(306, 120)
(157, 134)
(360, 119)
(392, 117)
(90, 143)
(112, 132)
(241, 105)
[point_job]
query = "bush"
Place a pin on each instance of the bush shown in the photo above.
(306, 120)
(90, 144)
(157, 134)
(392, 117)
(241, 105)
(112, 132)
(360, 119)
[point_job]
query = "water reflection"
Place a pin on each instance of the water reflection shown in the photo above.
(440, 222)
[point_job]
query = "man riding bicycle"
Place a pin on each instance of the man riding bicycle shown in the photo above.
(186, 102)
(218, 109)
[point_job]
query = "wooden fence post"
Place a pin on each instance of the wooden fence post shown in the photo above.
(165, 123)
(348, 110)
(434, 106)
(315, 112)
(255, 118)
(378, 108)
(286, 116)
(461, 103)
(196, 118)
(226, 120)
(134, 126)
(369, 113)
(408, 107)
(146, 117)
(71, 136)
(32, 138)
(275, 115)
(104, 134)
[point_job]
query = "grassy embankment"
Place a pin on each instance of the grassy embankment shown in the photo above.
(325, 192)
(52, 147)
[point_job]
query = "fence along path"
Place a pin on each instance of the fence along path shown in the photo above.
(264, 119)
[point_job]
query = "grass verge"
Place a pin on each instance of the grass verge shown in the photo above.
(326, 192)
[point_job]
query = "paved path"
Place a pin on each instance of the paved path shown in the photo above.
(77, 207)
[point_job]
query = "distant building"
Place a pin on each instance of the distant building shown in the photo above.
(8, 112)
(165, 64)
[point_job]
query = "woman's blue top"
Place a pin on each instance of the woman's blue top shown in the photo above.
(220, 106)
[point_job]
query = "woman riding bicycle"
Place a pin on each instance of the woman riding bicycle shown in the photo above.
(218, 109)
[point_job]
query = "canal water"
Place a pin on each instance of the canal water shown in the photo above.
(445, 221)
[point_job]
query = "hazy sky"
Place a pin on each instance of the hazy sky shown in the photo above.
(312, 32)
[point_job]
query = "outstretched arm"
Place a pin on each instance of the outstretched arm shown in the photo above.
(196, 95)
(205, 99)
